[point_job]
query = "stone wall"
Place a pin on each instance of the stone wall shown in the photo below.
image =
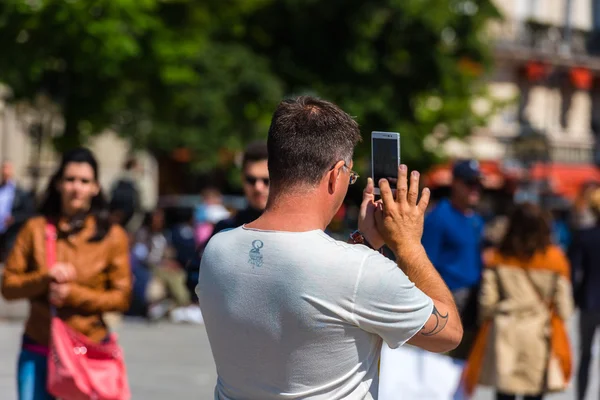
(110, 150)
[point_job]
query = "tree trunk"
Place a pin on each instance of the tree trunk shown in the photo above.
(70, 138)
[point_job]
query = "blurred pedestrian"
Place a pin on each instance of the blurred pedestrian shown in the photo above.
(208, 214)
(16, 206)
(154, 248)
(292, 313)
(453, 238)
(181, 236)
(91, 275)
(585, 259)
(183, 242)
(255, 178)
(561, 231)
(583, 216)
(525, 300)
(125, 204)
(149, 291)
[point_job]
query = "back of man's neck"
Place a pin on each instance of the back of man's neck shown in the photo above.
(290, 215)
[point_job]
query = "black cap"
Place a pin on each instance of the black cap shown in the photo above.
(467, 171)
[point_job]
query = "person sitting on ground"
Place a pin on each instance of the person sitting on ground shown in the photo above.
(153, 248)
(183, 243)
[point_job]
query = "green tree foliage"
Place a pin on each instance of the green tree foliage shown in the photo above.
(399, 65)
(207, 75)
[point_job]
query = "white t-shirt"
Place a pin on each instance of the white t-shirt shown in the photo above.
(302, 316)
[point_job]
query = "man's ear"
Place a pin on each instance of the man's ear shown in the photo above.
(334, 175)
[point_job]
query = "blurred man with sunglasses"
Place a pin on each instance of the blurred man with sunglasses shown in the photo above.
(453, 238)
(291, 313)
(255, 181)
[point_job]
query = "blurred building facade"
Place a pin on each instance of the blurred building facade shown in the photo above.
(35, 160)
(547, 71)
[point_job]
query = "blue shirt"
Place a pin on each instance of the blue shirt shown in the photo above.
(453, 241)
(561, 234)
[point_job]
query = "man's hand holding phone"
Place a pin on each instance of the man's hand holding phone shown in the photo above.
(399, 219)
(366, 220)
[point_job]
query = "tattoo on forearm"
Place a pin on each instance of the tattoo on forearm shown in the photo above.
(440, 323)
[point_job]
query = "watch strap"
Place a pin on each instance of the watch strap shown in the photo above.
(358, 238)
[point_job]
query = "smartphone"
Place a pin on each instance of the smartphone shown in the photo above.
(385, 158)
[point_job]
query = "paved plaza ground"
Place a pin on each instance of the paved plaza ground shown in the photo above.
(165, 361)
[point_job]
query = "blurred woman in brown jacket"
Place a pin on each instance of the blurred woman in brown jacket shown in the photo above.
(525, 299)
(91, 275)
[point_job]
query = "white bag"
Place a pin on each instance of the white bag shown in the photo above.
(409, 373)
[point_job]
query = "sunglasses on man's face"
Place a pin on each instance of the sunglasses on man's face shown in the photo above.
(473, 184)
(251, 180)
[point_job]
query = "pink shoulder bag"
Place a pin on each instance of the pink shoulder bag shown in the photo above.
(79, 369)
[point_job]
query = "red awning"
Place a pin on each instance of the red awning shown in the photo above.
(566, 179)
(441, 175)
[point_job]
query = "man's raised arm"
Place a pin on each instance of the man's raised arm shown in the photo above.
(400, 220)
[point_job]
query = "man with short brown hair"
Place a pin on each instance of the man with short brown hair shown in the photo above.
(292, 313)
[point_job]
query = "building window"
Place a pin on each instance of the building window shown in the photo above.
(526, 9)
(596, 15)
